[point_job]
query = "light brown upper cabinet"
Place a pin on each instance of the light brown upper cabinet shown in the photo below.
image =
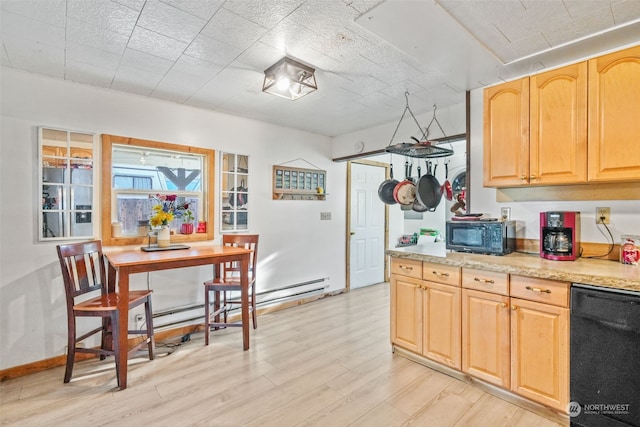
(614, 116)
(535, 129)
(506, 133)
(573, 125)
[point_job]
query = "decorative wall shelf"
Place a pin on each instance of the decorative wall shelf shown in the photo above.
(291, 183)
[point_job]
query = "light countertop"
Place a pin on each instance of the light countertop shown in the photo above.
(595, 272)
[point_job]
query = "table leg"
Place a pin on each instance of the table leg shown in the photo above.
(244, 297)
(123, 326)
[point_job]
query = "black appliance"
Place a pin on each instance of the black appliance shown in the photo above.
(605, 357)
(560, 235)
(481, 236)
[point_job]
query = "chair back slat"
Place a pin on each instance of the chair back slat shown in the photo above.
(83, 269)
(247, 241)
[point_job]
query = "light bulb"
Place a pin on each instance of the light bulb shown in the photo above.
(283, 83)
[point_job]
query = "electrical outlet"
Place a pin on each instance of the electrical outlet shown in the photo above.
(603, 215)
(139, 321)
(505, 214)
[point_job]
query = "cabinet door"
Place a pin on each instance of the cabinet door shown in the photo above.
(614, 127)
(506, 134)
(406, 312)
(485, 336)
(441, 329)
(558, 126)
(540, 352)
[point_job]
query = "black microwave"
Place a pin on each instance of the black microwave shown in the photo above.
(482, 237)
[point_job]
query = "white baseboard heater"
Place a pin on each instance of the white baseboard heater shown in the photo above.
(195, 313)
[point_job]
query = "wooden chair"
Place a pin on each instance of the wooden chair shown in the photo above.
(83, 272)
(227, 280)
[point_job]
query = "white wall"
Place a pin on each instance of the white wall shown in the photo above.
(295, 245)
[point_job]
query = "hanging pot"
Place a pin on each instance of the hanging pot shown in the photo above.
(405, 192)
(418, 206)
(385, 190)
(428, 190)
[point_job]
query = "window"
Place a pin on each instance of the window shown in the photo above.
(235, 193)
(66, 176)
(136, 170)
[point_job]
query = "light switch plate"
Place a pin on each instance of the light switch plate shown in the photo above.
(325, 216)
(505, 214)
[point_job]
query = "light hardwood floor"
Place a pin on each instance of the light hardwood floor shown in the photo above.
(327, 363)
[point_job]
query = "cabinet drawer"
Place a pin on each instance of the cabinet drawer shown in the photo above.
(406, 267)
(487, 281)
(541, 290)
(440, 273)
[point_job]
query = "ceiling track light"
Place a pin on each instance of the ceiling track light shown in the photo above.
(289, 79)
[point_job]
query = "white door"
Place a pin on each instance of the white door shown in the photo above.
(367, 226)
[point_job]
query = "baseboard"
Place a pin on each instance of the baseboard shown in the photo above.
(43, 365)
(536, 408)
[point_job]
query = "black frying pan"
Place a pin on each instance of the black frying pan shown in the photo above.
(428, 190)
(418, 206)
(385, 190)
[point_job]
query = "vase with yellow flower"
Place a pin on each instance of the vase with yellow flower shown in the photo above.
(163, 213)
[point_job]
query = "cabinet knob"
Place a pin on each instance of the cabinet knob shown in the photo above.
(532, 177)
(523, 177)
(503, 304)
(514, 307)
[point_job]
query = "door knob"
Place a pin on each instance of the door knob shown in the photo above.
(352, 233)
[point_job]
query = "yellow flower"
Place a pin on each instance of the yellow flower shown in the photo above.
(160, 217)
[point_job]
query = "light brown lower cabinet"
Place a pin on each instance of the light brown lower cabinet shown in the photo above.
(507, 330)
(486, 350)
(540, 352)
(441, 323)
(425, 315)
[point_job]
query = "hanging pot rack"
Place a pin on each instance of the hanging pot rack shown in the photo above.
(419, 149)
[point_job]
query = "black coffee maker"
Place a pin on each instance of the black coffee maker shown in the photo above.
(560, 235)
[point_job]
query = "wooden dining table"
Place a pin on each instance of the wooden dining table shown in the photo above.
(122, 264)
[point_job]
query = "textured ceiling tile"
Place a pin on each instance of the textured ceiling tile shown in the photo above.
(133, 80)
(29, 29)
(538, 16)
(132, 4)
(82, 53)
(99, 38)
(177, 86)
(81, 72)
(198, 69)
(266, 13)
(258, 57)
(156, 44)
(175, 23)
(583, 8)
(201, 8)
(213, 51)
(580, 27)
(50, 12)
(145, 61)
(103, 13)
(323, 16)
(34, 57)
(625, 11)
(362, 6)
(4, 58)
(233, 29)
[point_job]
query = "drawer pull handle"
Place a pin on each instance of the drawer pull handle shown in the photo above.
(487, 281)
(538, 290)
(404, 267)
(440, 274)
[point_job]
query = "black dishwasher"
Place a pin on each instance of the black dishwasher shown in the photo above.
(605, 357)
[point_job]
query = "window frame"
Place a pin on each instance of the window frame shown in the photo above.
(234, 177)
(108, 214)
(66, 208)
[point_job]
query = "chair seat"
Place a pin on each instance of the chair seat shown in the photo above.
(229, 281)
(109, 302)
